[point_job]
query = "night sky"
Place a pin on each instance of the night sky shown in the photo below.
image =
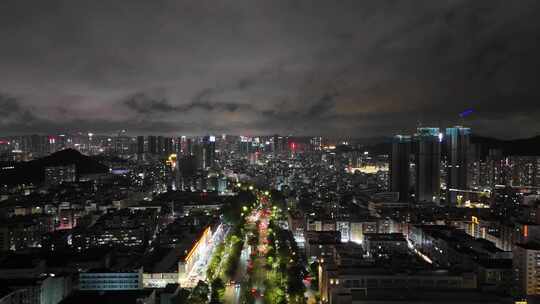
(329, 67)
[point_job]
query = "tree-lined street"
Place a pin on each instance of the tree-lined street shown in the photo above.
(258, 261)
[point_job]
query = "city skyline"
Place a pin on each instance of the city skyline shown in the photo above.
(359, 69)
(269, 152)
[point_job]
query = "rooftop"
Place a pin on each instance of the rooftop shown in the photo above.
(107, 297)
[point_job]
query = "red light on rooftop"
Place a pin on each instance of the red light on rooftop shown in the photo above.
(293, 145)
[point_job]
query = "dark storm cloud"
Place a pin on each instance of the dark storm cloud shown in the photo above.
(316, 111)
(8, 106)
(360, 68)
(143, 104)
(12, 111)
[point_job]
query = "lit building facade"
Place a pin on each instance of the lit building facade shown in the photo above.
(192, 254)
(457, 147)
(60, 174)
(111, 280)
(526, 261)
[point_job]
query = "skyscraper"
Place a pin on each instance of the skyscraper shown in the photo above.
(316, 143)
(495, 168)
(209, 151)
(457, 145)
(198, 155)
(140, 145)
(189, 147)
(152, 145)
(399, 166)
(275, 144)
(525, 171)
(121, 143)
(244, 145)
(427, 151)
(160, 145)
(168, 146)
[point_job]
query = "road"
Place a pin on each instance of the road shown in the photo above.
(260, 272)
(233, 292)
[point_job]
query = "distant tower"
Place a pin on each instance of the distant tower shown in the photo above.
(427, 150)
(152, 145)
(140, 145)
(168, 145)
(209, 151)
(399, 166)
(189, 147)
(457, 144)
(160, 145)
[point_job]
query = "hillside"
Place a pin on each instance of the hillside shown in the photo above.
(33, 171)
(524, 146)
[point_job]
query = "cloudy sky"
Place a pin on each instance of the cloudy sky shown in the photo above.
(356, 68)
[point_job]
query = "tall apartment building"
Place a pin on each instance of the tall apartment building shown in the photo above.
(526, 262)
(399, 166)
(457, 144)
(427, 152)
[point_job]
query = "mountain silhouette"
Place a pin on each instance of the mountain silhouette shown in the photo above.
(33, 172)
(522, 147)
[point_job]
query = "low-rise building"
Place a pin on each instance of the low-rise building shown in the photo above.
(103, 279)
(321, 244)
(384, 244)
(335, 280)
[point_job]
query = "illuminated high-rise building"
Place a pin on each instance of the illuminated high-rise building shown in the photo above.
(495, 174)
(244, 145)
(457, 147)
(524, 171)
(121, 142)
(399, 166)
(208, 151)
(279, 144)
(177, 145)
(427, 151)
(316, 143)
